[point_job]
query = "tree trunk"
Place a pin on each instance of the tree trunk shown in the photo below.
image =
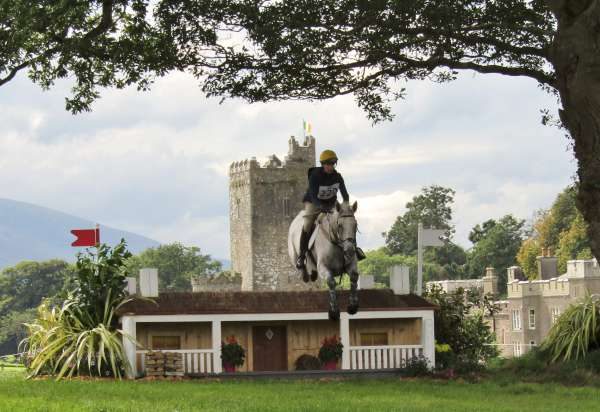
(575, 56)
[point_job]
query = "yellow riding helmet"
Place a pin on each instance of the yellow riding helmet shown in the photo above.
(328, 155)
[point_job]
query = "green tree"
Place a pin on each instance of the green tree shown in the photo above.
(561, 229)
(497, 243)
(432, 208)
(24, 285)
(176, 265)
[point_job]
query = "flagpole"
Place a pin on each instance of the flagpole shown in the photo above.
(420, 259)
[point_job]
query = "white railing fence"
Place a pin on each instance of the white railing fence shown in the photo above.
(194, 360)
(383, 357)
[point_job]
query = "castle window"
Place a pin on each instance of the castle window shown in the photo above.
(555, 313)
(237, 208)
(517, 348)
(531, 318)
(286, 207)
(516, 319)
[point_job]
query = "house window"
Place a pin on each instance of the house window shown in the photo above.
(516, 319)
(166, 342)
(531, 318)
(517, 348)
(373, 339)
(555, 313)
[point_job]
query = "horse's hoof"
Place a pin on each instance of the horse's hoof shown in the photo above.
(305, 276)
(314, 275)
(334, 315)
(352, 309)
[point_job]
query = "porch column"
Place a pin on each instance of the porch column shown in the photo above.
(216, 346)
(129, 344)
(345, 338)
(428, 338)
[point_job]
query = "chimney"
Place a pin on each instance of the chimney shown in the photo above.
(490, 282)
(149, 282)
(514, 273)
(131, 286)
(400, 280)
(547, 265)
(366, 282)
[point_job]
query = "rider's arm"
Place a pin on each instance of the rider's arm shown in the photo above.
(343, 190)
(313, 189)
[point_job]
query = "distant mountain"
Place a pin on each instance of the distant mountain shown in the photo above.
(30, 232)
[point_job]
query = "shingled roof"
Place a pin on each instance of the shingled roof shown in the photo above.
(178, 303)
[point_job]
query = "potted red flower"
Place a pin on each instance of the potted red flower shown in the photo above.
(330, 352)
(232, 354)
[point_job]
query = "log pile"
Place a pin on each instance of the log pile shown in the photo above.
(173, 364)
(164, 364)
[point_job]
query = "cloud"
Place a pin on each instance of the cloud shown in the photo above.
(156, 163)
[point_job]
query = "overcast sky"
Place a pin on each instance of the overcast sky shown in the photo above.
(156, 163)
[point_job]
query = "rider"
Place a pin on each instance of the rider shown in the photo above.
(323, 185)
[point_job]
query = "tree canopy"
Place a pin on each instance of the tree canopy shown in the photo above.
(176, 265)
(319, 49)
(432, 208)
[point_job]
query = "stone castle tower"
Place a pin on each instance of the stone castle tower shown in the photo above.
(263, 201)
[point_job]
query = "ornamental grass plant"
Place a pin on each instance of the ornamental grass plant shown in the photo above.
(575, 332)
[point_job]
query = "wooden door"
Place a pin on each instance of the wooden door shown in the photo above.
(270, 348)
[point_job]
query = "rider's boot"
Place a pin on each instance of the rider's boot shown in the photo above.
(301, 261)
(360, 255)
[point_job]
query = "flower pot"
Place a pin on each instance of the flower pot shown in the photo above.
(228, 367)
(330, 365)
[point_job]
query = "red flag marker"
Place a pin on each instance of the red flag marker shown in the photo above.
(86, 237)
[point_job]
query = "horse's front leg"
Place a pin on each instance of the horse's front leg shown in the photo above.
(353, 299)
(334, 310)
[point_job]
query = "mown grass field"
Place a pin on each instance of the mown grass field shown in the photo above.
(17, 394)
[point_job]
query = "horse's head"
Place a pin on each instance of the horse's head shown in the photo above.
(346, 228)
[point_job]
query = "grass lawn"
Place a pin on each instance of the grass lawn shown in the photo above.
(17, 394)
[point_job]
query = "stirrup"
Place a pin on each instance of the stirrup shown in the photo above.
(360, 255)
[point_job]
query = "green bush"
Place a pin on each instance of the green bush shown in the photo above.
(416, 366)
(307, 362)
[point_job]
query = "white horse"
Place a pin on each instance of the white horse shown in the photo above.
(332, 253)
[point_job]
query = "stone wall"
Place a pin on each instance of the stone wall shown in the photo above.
(224, 282)
(264, 199)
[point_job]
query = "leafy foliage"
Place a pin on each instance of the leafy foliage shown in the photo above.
(81, 336)
(575, 332)
(232, 352)
(432, 208)
(331, 349)
(307, 362)
(459, 323)
(176, 264)
(561, 229)
(496, 245)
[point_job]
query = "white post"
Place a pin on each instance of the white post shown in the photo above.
(216, 346)
(420, 259)
(428, 338)
(345, 338)
(129, 344)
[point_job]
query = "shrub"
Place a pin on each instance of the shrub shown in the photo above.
(575, 332)
(416, 366)
(307, 362)
(331, 349)
(232, 352)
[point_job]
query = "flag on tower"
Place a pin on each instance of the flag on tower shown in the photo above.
(86, 237)
(307, 128)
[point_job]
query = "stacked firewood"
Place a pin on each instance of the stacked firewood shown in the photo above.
(164, 364)
(173, 364)
(155, 364)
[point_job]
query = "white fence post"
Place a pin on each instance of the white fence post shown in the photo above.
(428, 339)
(129, 343)
(216, 346)
(345, 338)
